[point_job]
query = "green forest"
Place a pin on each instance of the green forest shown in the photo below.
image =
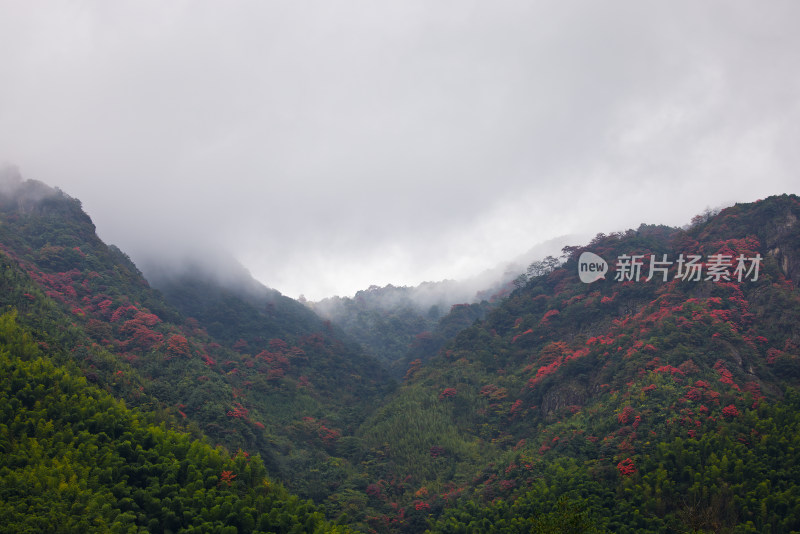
(185, 404)
(75, 459)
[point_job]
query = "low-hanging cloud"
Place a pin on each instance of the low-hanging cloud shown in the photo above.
(335, 145)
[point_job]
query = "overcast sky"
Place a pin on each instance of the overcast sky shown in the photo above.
(330, 145)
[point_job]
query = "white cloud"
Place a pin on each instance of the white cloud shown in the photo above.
(334, 145)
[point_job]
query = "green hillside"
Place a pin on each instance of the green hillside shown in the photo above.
(278, 381)
(636, 406)
(649, 401)
(77, 460)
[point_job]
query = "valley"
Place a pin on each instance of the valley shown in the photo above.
(181, 400)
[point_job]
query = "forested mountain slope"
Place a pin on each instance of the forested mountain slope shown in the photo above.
(400, 324)
(660, 401)
(74, 459)
(628, 405)
(278, 381)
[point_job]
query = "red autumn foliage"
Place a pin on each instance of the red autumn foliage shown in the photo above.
(506, 485)
(226, 477)
(601, 339)
(275, 374)
(577, 354)
(122, 311)
(549, 315)
(668, 369)
(329, 435)
(553, 351)
(626, 467)
(544, 371)
(137, 334)
(374, 490)
(730, 411)
(413, 367)
(178, 346)
(239, 411)
(625, 415)
(636, 422)
(689, 367)
(693, 394)
(526, 332)
(773, 354)
(493, 392)
(488, 389)
(755, 390)
(147, 319)
(447, 393)
(726, 377)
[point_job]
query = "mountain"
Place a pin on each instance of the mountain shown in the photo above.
(277, 381)
(77, 460)
(75, 457)
(238, 311)
(622, 405)
(653, 399)
(401, 324)
(398, 324)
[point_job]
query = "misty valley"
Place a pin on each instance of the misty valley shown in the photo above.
(554, 398)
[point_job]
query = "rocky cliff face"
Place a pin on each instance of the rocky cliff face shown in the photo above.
(784, 245)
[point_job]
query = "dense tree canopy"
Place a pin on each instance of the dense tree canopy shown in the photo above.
(625, 405)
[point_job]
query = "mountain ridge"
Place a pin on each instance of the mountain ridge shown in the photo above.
(623, 405)
(128, 338)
